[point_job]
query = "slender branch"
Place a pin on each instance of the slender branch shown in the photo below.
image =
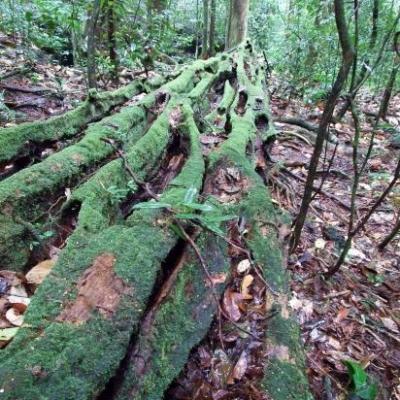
(347, 61)
(361, 224)
(389, 237)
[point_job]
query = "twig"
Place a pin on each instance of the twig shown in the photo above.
(325, 176)
(321, 191)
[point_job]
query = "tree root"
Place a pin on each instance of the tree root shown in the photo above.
(127, 301)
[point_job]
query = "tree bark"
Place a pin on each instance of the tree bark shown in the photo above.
(91, 45)
(213, 12)
(236, 23)
(374, 31)
(387, 94)
(206, 29)
(112, 44)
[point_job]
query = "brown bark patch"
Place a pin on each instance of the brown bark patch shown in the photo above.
(98, 289)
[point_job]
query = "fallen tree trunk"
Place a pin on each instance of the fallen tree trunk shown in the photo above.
(138, 284)
(68, 167)
(17, 141)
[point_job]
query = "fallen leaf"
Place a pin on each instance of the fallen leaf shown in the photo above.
(240, 368)
(280, 352)
(218, 279)
(246, 283)
(243, 266)
(7, 334)
(18, 295)
(334, 343)
(67, 193)
(320, 244)
(37, 274)
(231, 304)
(388, 323)
(295, 303)
(14, 317)
(342, 314)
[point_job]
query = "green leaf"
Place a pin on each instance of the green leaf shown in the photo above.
(187, 216)
(357, 374)
(7, 334)
(219, 218)
(369, 392)
(190, 195)
(151, 205)
(359, 379)
(199, 206)
(212, 227)
(177, 230)
(47, 234)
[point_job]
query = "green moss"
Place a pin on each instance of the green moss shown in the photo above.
(14, 243)
(179, 324)
(13, 140)
(202, 87)
(37, 186)
(76, 361)
(26, 195)
(42, 180)
(217, 118)
(285, 381)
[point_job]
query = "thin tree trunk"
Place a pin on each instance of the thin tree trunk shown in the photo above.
(112, 41)
(237, 23)
(197, 29)
(366, 71)
(213, 12)
(375, 18)
(347, 61)
(206, 14)
(91, 45)
(387, 94)
(356, 41)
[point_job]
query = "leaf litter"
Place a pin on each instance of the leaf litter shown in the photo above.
(356, 314)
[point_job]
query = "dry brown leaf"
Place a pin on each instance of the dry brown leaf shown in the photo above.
(37, 274)
(342, 314)
(241, 367)
(11, 277)
(231, 304)
(18, 295)
(246, 283)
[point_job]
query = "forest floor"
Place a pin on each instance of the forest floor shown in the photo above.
(354, 315)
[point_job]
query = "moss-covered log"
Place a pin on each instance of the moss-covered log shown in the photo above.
(83, 315)
(17, 141)
(26, 196)
(130, 296)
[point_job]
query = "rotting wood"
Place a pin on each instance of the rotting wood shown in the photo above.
(98, 289)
